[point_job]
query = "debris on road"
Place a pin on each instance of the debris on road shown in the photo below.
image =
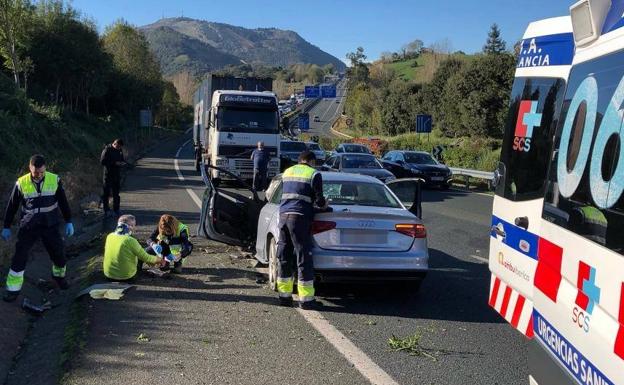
(410, 345)
(143, 338)
(371, 322)
(261, 279)
(36, 309)
(112, 291)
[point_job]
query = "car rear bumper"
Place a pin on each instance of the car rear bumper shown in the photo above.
(374, 263)
(335, 276)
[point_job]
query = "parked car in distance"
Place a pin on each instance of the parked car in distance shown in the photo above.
(291, 149)
(352, 148)
(318, 151)
(417, 164)
(364, 164)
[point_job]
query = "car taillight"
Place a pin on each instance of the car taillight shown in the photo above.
(321, 226)
(415, 230)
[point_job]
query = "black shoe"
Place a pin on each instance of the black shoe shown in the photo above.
(61, 282)
(177, 267)
(10, 296)
(285, 301)
(310, 305)
(165, 267)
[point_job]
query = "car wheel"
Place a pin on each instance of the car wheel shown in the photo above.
(272, 251)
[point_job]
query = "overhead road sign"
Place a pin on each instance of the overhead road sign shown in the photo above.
(304, 122)
(328, 91)
(423, 123)
(312, 92)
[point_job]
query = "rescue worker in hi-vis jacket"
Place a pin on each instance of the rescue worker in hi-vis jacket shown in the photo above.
(40, 195)
(302, 190)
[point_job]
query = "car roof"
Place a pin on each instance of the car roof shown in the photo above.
(354, 153)
(347, 177)
(415, 152)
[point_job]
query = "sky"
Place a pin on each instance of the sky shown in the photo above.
(339, 26)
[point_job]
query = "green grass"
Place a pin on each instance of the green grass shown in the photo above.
(410, 345)
(421, 70)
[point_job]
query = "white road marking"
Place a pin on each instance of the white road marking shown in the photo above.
(176, 165)
(480, 259)
(370, 370)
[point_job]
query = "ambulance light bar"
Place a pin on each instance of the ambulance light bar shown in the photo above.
(588, 17)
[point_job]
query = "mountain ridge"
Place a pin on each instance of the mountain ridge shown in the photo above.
(185, 44)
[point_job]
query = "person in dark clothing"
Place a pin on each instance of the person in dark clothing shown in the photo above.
(302, 190)
(112, 159)
(260, 158)
(171, 240)
(40, 195)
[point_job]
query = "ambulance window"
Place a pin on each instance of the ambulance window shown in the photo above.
(585, 210)
(532, 119)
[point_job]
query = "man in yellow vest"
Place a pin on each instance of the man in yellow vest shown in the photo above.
(302, 189)
(40, 195)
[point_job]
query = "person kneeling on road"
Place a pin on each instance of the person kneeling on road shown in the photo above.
(170, 239)
(123, 254)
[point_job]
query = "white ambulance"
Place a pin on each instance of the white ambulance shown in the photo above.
(561, 274)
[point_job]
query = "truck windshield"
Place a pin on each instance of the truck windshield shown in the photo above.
(527, 143)
(233, 119)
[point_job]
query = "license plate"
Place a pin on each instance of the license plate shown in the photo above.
(363, 237)
(437, 178)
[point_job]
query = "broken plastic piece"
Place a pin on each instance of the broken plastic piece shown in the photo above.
(36, 309)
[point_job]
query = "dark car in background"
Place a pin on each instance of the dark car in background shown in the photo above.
(318, 151)
(363, 164)
(352, 148)
(417, 164)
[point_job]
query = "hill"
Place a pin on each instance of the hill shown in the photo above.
(184, 44)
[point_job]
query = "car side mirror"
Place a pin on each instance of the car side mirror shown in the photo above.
(409, 192)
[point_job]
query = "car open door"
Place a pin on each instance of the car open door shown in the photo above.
(230, 215)
(409, 193)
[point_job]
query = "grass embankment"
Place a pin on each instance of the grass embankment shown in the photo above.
(473, 153)
(421, 69)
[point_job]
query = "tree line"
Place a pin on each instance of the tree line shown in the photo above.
(56, 56)
(467, 95)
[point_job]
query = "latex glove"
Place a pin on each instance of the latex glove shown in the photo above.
(6, 234)
(69, 229)
(157, 248)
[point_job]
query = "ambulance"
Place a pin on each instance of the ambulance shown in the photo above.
(557, 239)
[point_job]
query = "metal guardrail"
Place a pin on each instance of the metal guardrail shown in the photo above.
(467, 174)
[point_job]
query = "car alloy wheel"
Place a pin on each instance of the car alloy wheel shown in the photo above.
(273, 264)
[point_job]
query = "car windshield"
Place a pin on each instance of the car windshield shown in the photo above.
(358, 193)
(355, 149)
(293, 146)
(360, 161)
(232, 119)
(419, 158)
(314, 147)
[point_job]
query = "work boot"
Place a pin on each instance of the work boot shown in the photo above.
(177, 267)
(310, 305)
(61, 282)
(10, 296)
(165, 267)
(285, 301)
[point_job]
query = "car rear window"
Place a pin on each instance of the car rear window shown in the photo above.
(360, 161)
(356, 149)
(358, 193)
(417, 158)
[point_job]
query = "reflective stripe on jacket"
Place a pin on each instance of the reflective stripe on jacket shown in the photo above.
(39, 202)
(175, 242)
(297, 191)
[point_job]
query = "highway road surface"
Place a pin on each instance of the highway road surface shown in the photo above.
(216, 324)
(328, 110)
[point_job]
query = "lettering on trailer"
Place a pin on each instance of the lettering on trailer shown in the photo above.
(247, 99)
(550, 50)
(588, 295)
(577, 364)
(528, 119)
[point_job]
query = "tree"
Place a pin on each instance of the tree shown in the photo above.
(494, 44)
(15, 20)
(356, 58)
(358, 72)
(413, 48)
(138, 81)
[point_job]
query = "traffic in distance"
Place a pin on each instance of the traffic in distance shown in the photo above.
(557, 235)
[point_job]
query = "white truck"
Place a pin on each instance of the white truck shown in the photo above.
(231, 116)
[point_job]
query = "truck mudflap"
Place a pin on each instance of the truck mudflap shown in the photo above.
(545, 369)
(512, 306)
